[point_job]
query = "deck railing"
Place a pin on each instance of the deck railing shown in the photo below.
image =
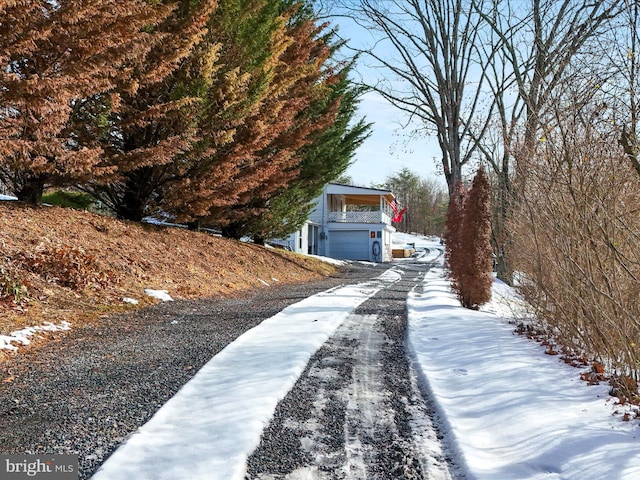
(358, 217)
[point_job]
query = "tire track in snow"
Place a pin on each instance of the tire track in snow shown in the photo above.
(366, 407)
(356, 412)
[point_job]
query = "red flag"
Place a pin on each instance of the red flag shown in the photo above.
(398, 216)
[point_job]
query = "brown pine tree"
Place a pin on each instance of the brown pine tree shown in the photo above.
(300, 80)
(261, 153)
(54, 56)
(453, 231)
(154, 125)
(475, 265)
(229, 68)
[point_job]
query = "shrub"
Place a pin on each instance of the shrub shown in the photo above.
(469, 252)
(575, 240)
(453, 228)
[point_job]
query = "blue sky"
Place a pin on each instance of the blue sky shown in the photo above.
(389, 148)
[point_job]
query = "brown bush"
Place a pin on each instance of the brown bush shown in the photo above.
(453, 228)
(469, 252)
(576, 234)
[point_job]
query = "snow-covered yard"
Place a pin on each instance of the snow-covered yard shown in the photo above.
(512, 411)
(508, 410)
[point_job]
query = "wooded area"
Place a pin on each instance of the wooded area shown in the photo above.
(426, 201)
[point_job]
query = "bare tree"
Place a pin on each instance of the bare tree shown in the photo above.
(558, 32)
(576, 235)
(479, 74)
(537, 44)
(428, 51)
(622, 92)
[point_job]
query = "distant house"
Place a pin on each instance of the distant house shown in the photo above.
(348, 223)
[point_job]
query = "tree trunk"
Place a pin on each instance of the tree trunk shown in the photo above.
(503, 270)
(630, 145)
(194, 226)
(31, 191)
(233, 230)
(138, 190)
(132, 206)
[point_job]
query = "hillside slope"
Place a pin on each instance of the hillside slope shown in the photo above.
(59, 264)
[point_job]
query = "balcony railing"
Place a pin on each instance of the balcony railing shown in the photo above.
(358, 217)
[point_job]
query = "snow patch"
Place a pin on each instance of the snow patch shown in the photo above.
(22, 337)
(159, 294)
(332, 261)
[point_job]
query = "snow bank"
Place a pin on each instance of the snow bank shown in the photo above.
(23, 336)
(512, 411)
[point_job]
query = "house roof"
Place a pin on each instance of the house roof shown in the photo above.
(359, 195)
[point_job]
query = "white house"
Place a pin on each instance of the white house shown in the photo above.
(349, 223)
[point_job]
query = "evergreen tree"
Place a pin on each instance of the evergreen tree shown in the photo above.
(453, 231)
(53, 56)
(474, 269)
(231, 128)
(146, 135)
(300, 80)
(323, 161)
(291, 102)
(404, 185)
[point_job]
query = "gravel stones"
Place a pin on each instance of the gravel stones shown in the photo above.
(84, 392)
(356, 411)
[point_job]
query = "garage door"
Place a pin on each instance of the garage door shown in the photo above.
(349, 244)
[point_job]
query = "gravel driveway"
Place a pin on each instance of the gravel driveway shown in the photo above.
(356, 412)
(85, 392)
